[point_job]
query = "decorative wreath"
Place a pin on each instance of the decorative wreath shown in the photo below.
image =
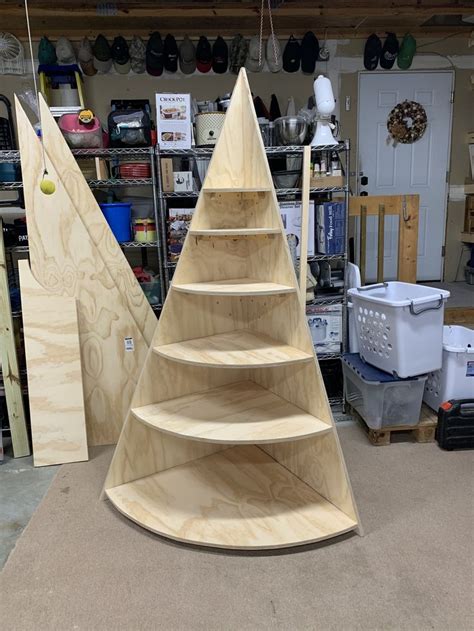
(398, 122)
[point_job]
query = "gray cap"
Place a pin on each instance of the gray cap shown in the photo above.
(252, 63)
(65, 52)
(137, 51)
(274, 56)
(86, 58)
(187, 56)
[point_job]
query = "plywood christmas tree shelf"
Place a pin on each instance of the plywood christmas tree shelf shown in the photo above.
(247, 457)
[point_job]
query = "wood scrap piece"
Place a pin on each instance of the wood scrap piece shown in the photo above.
(94, 221)
(58, 423)
(9, 363)
(65, 261)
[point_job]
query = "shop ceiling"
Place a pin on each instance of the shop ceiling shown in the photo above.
(336, 18)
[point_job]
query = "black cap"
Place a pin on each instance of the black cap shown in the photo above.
(389, 51)
(170, 54)
(292, 55)
(154, 55)
(372, 50)
(309, 52)
(220, 56)
(203, 55)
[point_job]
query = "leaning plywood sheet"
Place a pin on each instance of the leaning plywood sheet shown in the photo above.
(94, 221)
(9, 364)
(58, 424)
(65, 261)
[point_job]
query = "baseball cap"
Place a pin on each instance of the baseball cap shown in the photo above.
(203, 55)
(407, 52)
(121, 55)
(372, 51)
(187, 56)
(65, 52)
(154, 55)
(309, 52)
(170, 53)
(389, 51)
(292, 55)
(102, 54)
(274, 58)
(86, 58)
(220, 56)
(252, 63)
(137, 50)
(238, 53)
(46, 52)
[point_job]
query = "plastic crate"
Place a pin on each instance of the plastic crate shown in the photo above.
(456, 425)
(455, 380)
(400, 326)
(381, 399)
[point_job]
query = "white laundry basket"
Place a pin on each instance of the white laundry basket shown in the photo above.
(455, 380)
(400, 326)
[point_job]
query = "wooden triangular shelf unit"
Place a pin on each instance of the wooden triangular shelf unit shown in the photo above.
(230, 440)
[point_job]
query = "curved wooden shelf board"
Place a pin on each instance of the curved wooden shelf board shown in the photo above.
(235, 349)
(240, 413)
(238, 189)
(235, 287)
(238, 498)
(232, 232)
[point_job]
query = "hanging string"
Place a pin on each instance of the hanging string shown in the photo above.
(45, 170)
(270, 17)
(261, 36)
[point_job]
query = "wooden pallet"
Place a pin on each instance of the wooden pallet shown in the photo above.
(424, 432)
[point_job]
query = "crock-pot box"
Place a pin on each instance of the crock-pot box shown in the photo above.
(325, 325)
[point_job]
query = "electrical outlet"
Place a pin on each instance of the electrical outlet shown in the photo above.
(348, 103)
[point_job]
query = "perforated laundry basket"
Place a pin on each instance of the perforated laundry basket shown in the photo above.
(455, 380)
(400, 326)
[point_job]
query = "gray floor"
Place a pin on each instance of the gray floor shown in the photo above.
(22, 487)
(462, 294)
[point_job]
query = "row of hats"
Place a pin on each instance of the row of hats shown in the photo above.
(375, 52)
(160, 55)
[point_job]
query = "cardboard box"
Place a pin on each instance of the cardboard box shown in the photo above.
(291, 217)
(178, 226)
(173, 120)
(325, 325)
(183, 181)
(167, 180)
(330, 227)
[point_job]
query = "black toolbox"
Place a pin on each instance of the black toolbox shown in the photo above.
(456, 424)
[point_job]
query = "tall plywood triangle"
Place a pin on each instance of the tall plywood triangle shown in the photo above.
(65, 261)
(230, 440)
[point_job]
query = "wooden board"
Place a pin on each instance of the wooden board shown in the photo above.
(58, 423)
(241, 348)
(234, 287)
(239, 498)
(423, 432)
(155, 476)
(242, 412)
(94, 221)
(9, 364)
(65, 261)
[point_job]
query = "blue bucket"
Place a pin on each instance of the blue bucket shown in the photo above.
(119, 217)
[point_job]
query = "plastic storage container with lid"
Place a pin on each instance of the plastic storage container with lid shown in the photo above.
(381, 399)
(455, 380)
(400, 326)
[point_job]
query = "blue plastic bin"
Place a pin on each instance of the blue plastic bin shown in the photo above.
(119, 218)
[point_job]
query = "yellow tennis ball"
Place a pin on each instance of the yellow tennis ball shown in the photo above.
(47, 187)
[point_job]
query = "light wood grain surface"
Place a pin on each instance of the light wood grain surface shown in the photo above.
(234, 287)
(53, 360)
(239, 498)
(237, 348)
(9, 364)
(177, 489)
(94, 221)
(242, 412)
(65, 261)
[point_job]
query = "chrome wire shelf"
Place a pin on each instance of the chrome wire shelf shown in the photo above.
(326, 257)
(10, 186)
(123, 244)
(281, 192)
(208, 151)
(326, 356)
(320, 301)
(143, 181)
(13, 155)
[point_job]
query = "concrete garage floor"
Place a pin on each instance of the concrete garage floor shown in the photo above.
(22, 487)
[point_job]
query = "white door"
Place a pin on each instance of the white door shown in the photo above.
(420, 167)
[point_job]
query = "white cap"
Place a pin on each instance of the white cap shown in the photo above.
(274, 58)
(324, 96)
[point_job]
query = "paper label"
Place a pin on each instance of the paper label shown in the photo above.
(129, 344)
